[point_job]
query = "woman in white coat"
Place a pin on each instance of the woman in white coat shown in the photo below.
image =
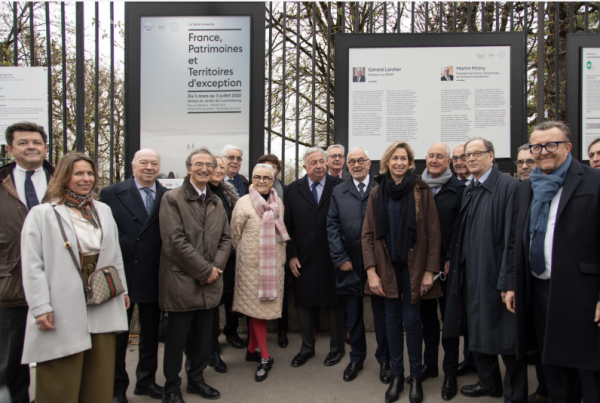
(73, 343)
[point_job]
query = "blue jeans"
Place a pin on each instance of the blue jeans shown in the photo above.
(398, 312)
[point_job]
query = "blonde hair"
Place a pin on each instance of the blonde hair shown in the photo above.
(387, 156)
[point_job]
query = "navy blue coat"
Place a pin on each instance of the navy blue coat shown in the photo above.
(344, 230)
(139, 237)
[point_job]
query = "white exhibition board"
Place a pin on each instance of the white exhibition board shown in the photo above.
(590, 98)
(423, 95)
(23, 97)
(194, 87)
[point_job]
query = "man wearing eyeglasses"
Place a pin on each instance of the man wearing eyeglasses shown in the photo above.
(459, 162)
(594, 153)
(479, 252)
(335, 161)
(553, 271)
(525, 162)
(233, 161)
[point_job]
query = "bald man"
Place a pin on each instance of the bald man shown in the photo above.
(135, 204)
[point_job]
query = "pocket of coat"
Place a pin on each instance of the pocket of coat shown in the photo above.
(6, 267)
(589, 268)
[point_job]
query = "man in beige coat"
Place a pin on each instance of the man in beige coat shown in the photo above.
(196, 244)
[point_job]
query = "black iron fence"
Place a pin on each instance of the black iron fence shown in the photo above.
(86, 92)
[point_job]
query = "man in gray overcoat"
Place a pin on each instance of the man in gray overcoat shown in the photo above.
(477, 281)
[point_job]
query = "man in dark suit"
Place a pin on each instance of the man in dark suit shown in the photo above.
(335, 161)
(135, 204)
(447, 190)
(447, 76)
(306, 206)
(553, 271)
(358, 78)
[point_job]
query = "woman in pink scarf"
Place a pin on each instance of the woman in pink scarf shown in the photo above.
(259, 237)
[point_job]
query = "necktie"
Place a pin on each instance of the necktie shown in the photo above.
(230, 181)
(314, 192)
(30, 194)
(464, 180)
(361, 190)
(149, 199)
(202, 198)
(477, 184)
(537, 260)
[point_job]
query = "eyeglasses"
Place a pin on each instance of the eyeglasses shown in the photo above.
(550, 147)
(528, 161)
(202, 165)
(359, 161)
(234, 158)
(336, 156)
(460, 157)
(476, 154)
(262, 178)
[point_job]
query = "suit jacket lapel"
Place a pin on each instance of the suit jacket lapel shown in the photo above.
(352, 189)
(131, 199)
(155, 208)
(329, 185)
(526, 203)
(571, 181)
(306, 192)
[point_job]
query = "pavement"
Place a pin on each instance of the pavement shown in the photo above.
(312, 382)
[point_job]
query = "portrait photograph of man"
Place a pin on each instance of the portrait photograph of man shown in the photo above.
(447, 73)
(358, 75)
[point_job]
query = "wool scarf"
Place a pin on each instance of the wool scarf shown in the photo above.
(84, 203)
(272, 230)
(544, 189)
(405, 192)
(239, 185)
(439, 181)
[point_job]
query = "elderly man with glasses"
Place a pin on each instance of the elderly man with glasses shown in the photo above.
(335, 161)
(525, 162)
(232, 156)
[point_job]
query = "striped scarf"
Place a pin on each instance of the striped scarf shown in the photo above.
(84, 203)
(272, 230)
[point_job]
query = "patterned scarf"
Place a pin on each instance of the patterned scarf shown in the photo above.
(272, 230)
(84, 203)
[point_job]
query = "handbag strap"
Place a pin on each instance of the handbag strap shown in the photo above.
(67, 246)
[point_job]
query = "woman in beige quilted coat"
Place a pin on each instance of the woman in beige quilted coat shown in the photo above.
(259, 236)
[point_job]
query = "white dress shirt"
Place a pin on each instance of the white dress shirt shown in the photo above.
(365, 181)
(200, 192)
(549, 238)
(38, 179)
(89, 238)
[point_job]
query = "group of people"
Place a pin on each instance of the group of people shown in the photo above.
(511, 264)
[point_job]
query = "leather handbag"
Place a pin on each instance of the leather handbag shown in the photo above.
(103, 284)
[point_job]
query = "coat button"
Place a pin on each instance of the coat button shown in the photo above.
(411, 249)
(135, 262)
(157, 263)
(138, 239)
(134, 218)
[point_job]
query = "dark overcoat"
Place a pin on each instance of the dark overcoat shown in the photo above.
(491, 326)
(344, 231)
(448, 200)
(139, 237)
(572, 338)
(306, 223)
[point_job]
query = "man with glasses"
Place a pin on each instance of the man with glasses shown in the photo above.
(335, 161)
(459, 162)
(553, 272)
(233, 162)
(525, 162)
(478, 257)
(594, 153)
(195, 246)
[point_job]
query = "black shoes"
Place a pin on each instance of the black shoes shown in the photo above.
(450, 388)
(428, 372)
(464, 369)
(216, 361)
(154, 391)
(300, 359)
(395, 388)
(478, 390)
(535, 398)
(385, 372)
(333, 359)
(235, 341)
(121, 399)
(253, 357)
(416, 390)
(282, 339)
(351, 371)
(172, 398)
(203, 390)
(262, 371)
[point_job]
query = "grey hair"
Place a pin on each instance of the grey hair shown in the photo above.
(264, 166)
(550, 124)
(312, 150)
(231, 147)
(486, 143)
(360, 148)
(334, 146)
(525, 147)
(597, 139)
(143, 149)
(201, 150)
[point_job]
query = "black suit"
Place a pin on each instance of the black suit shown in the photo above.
(444, 78)
(306, 222)
(139, 238)
(557, 317)
(358, 79)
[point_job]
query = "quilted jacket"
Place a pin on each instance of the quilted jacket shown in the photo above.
(245, 230)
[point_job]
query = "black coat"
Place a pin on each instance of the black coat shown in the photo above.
(344, 231)
(307, 226)
(447, 200)
(572, 338)
(491, 327)
(139, 237)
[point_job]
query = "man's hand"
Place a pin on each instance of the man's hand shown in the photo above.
(375, 282)
(295, 266)
(214, 276)
(127, 301)
(509, 300)
(447, 267)
(44, 322)
(597, 318)
(346, 266)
